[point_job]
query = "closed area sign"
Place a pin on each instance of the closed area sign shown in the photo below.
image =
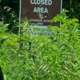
(40, 12)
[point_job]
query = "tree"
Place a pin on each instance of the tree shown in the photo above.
(74, 8)
(9, 13)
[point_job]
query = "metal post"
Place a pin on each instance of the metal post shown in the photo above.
(61, 11)
(19, 16)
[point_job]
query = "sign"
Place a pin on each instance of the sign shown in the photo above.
(40, 12)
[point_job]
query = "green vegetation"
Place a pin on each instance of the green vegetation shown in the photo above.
(74, 8)
(40, 54)
(41, 57)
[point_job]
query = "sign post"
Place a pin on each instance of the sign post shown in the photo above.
(40, 12)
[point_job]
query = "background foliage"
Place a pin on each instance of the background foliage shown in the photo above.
(74, 8)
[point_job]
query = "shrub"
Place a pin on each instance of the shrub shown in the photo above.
(53, 56)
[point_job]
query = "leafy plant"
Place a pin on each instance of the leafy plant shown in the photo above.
(42, 54)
